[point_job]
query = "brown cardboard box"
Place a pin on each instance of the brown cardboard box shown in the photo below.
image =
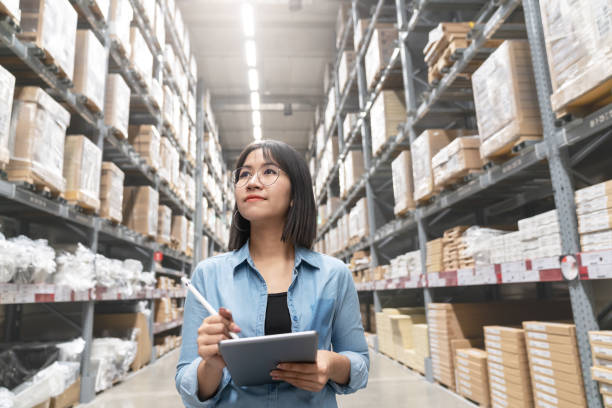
(164, 225)
(573, 378)
(37, 154)
(163, 310)
(573, 386)
(403, 186)
(456, 160)
(351, 171)
(386, 115)
(510, 347)
(120, 17)
(569, 367)
(90, 69)
(146, 142)
(141, 59)
(553, 347)
(68, 398)
(558, 329)
(603, 375)
(358, 219)
(117, 104)
(543, 399)
(576, 398)
(501, 400)
(104, 322)
(505, 334)
(7, 89)
(379, 53)
(550, 338)
(362, 27)
(140, 208)
(179, 232)
(572, 358)
(111, 192)
(82, 162)
(508, 374)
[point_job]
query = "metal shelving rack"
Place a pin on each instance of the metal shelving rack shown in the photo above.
(537, 172)
(98, 233)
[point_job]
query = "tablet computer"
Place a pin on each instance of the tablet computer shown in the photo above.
(251, 359)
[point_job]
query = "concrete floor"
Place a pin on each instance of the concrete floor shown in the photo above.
(390, 385)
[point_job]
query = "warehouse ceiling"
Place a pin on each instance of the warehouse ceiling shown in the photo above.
(292, 50)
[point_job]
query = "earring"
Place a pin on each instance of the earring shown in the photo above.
(235, 223)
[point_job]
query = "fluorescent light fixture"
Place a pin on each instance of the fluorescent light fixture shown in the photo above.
(251, 53)
(255, 101)
(256, 116)
(257, 133)
(253, 80)
(248, 20)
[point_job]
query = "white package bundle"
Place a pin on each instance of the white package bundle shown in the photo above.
(34, 260)
(71, 351)
(113, 358)
(76, 271)
(7, 398)
(479, 244)
(148, 279)
(7, 260)
(47, 383)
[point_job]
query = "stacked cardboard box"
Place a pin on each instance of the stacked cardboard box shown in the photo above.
(179, 233)
(384, 326)
(140, 210)
(164, 225)
(82, 162)
(347, 61)
(350, 171)
(601, 350)
(7, 89)
(594, 209)
(451, 241)
(111, 192)
(141, 59)
(378, 55)
(330, 109)
(434, 256)
(350, 120)
(505, 100)
(509, 376)
(117, 105)
(120, 17)
(442, 42)
(456, 160)
(386, 115)
(420, 337)
(540, 236)
(358, 220)
(556, 375)
(403, 186)
(471, 375)
(105, 324)
(362, 27)
(146, 142)
(37, 154)
(90, 69)
(402, 331)
(166, 160)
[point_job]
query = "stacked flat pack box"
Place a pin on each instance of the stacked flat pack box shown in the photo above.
(577, 36)
(379, 54)
(164, 225)
(7, 89)
(420, 337)
(438, 51)
(358, 220)
(540, 236)
(37, 145)
(145, 140)
(505, 99)
(451, 241)
(403, 337)
(601, 371)
(117, 105)
(384, 326)
(509, 377)
(403, 185)
(347, 62)
(82, 162)
(424, 148)
(386, 115)
(362, 27)
(456, 160)
(471, 376)
(111, 192)
(90, 69)
(179, 232)
(52, 26)
(141, 59)
(351, 171)
(594, 209)
(434, 255)
(165, 159)
(120, 17)
(140, 209)
(556, 375)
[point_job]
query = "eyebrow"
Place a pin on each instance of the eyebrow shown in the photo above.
(265, 164)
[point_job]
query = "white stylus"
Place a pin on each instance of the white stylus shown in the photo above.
(203, 301)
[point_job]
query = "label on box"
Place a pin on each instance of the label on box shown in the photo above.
(493, 338)
(541, 353)
(535, 327)
(546, 388)
(542, 370)
(599, 271)
(495, 366)
(603, 375)
(541, 361)
(498, 393)
(602, 350)
(545, 404)
(495, 352)
(462, 354)
(499, 386)
(465, 383)
(468, 392)
(498, 373)
(547, 380)
(492, 330)
(498, 402)
(463, 362)
(547, 397)
(539, 344)
(493, 344)
(464, 369)
(607, 400)
(496, 359)
(497, 379)
(545, 263)
(539, 336)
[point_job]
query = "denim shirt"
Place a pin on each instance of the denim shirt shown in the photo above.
(321, 297)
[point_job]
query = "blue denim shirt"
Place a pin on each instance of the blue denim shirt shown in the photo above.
(321, 297)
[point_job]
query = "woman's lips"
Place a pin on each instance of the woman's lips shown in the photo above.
(254, 198)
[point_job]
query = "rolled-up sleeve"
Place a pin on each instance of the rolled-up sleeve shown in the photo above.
(348, 338)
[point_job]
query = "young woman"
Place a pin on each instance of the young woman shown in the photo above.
(273, 283)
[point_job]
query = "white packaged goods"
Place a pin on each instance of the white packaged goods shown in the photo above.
(37, 154)
(111, 192)
(358, 220)
(164, 225)
(403, 187)
(7, 398)
(146, 142)
(350, 120)
(379, 53)
(347, 62)
(408, 264)
(480, 242)
(52, 26)
(330, 109)
(387, 114)
(117, 104)
(352, 170)
(7, 88)
(82, 162)
(112, 357)
(120, 17)
(90, 69)
(141, 59)
(76, 270)
(505, 99)
(25, 261)
(140, 206)
(48, 382)
(594, 209)
(540, 235)
(456, 160)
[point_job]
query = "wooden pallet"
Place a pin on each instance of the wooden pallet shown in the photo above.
(87, 204)
(89, 104)
(33, 182)
(47, 58)
(112, 220)
(9, 16)
(508, 151)
(595, 98)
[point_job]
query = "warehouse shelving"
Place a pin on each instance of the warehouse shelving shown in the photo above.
(162, 327)
(538, 171)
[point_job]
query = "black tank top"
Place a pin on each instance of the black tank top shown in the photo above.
(278, 320)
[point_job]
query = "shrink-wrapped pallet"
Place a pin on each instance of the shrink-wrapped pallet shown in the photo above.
(117, 105)
(82, 161)
(379, 53)
(141, 59)
(146, 142)
(7, 89)
(165, 160)
(403, 186)
(358, 220)
(90, 69)
(387, 114)
(456, 160)
(179, 233)
(351, 171)
(120, 17)
(164, 225)
(111, 192)
(140, 209)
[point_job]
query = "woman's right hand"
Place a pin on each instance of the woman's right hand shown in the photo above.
(213, 330)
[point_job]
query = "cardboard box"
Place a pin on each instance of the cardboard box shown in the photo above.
(543, 399)
(347, 63)
(164, 225)
(179, 232)
(140, 208)
(82, 163)
(550, 338)
(558, 329)
(120, 17)
(575, 387)
(603, 375)
(507, 359)
(378, 55)
(111, 192)
(141, 59)
(146, 142)
(122, 321)
(574, 377)
(7, 89)
(572, 358)
(68, 398)
(456, 160)
(90, 69)
(559, 349)
(586, 195)
(403, 185)
(576, 398)
(362, 27)
(351, 171)
(386, 115)
(52, 26)
(358, 219)
(510, 347)
(501, 400)
(505, 99)
(117, 105)
(569, 367)
(37, 146)
(159, 28)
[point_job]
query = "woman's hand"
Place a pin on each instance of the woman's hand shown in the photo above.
(213, 330)
(313, 377)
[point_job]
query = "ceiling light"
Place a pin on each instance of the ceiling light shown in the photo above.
(253, 80)
(257, 133)
(251, 53)
(255, 101)
(248, 20)
(256, 116)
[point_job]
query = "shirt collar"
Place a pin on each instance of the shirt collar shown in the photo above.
(301, 254)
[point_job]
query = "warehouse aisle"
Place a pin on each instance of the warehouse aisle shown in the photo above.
(390, 385)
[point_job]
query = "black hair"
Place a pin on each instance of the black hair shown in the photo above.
(301, 222)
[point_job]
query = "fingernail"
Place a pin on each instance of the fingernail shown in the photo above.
(279, 366)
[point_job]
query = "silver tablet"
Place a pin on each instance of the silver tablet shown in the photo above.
(250, 360)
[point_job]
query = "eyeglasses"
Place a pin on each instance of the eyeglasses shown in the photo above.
(267, 175)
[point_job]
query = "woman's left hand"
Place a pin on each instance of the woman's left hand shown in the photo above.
(309, 377)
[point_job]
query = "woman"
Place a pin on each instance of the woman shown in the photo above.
(273, 283)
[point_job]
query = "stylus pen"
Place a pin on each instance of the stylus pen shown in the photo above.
(203, 301)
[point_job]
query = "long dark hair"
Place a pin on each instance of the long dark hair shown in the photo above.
(301, 223)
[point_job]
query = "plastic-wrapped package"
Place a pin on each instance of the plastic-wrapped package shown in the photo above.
(146, 141)
(113, 357)
(7, 398)
(117, 104)
(175, 162)
(160, 27)
(47, 383)
(505, 99)
(111, 192)
(7, 89)
(34, 260)
(133, 272)
(165, 159)
(387, 114)
(358, 219)
(148, 279)
(456, 160)
(82, 162)
(164, 225)
(20, 363)
(7, 260)
(37, 147)
(190, 192)
(179, 232)
(379, 53)
(141, 59)
(71, 350)
(140, 206)
(52, 26)
(477, 241)
(189, 237)
(120, 17)
(403, 186)
(76, 271)
(90, 69)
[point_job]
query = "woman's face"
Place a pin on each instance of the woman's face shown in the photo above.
(259, 202)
